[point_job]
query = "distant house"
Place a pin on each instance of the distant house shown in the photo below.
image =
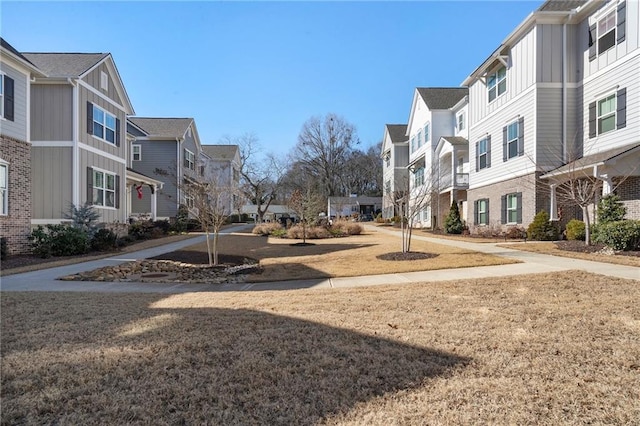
(79, 150)
(222, 166)
(353, 206)
(16, 72)
(395, 159)
(275, 212)
(167, 150)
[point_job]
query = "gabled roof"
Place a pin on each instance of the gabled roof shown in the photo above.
(442, 97)
(397, 132)
(589, 161)
(19, 57)
(561, 5)
(456, 140)
(65, 64)
(163, 127)
(221, 152)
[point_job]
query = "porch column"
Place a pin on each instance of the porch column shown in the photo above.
(154, 202)
(607, 184)
(554, 204)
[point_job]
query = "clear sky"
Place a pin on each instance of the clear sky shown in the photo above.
(266, 67)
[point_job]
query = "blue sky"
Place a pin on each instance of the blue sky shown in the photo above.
(266, 67)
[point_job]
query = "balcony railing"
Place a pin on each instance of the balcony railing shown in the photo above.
(461, 181)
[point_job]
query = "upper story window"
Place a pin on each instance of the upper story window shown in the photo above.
(497, 83)
(189, 160)
(102, 124)
(608, 31)
(6, 97)
(418, 177)
(387, 159)
(427, 132)
(419, 138)
(513, 139)
(483, 153)
(4, 188)
(608, 113)
(413, 144)
(136, 152)
(460, 121)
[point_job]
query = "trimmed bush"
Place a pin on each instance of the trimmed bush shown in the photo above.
(515, 233)
(313, 232)
(266, 228)
(104, 240)
(620, 235)
(576, 230)
(453, 223)
(59, 240)
(343, 227)
(541, 229)
(3, 248)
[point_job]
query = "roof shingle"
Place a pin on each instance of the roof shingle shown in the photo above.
(397, 132)
(163, 127)
(561, 5)
(221, 152)
(65, 64)
(442, 97)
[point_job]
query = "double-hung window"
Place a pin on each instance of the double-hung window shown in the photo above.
(189, 160)
(483, 153)
(419, 138)
(418, 177)
(427, 132)
(482, 211)
(104, 125)
(104, 189)
(413, 144)
(607, 114)
(512, 208)
(136, 152)
(4, 188)
(461, 121)
(497, 83)
(607, 32)
(512, 140)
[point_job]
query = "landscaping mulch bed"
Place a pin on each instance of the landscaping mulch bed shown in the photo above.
(411, 255)
(581, 247)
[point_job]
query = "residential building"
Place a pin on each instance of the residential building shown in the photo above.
(274, 213)
(167, 150)
(433, 115)
(395, 159)
(16, 72)
(561, 92)
(222, 167)
(79, 152)
(353, 206)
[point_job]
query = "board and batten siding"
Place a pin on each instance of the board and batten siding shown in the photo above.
(629, 45)
(17, 128)
(93, 141)
(51, 112)
(625, 75)
(158, 154)
(190, 144)
(520, 77)
(94, 79)
(93, 160)
(442, 124)
(51, 182)
(499, 170)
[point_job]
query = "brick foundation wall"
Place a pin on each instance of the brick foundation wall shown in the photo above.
(535, 197)
(16, 226)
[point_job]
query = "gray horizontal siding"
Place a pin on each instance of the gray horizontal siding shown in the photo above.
(17, 128)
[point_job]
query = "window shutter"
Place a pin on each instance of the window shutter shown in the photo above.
(117, 132)
(117, 201)
(487, 200)
(621, 113)
(477, 156)
(592, 120)
(89, 185)
(622, 18)
(8, 98)
(488, 151)
(89, 118)
(476, 213)
(592, 42)
(519, 207)
(505, 149)
(521, 136)
(503, 211)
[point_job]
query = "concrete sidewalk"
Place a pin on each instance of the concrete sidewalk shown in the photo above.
(45, 280)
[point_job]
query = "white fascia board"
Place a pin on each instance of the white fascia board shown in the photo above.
(109, 62)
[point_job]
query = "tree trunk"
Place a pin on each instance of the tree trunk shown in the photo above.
(208, 247)
(216, 233)
(587, 225)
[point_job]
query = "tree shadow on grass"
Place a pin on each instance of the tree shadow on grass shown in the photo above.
(115, 359)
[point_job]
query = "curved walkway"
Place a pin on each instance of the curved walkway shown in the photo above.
(45, 279)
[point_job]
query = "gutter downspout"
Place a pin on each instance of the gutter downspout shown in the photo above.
(75, 150)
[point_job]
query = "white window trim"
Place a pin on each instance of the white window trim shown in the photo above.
(104, 125)
(427, 132)
(481, 212)
(133, 150)
(514, 209)
(115, 185)
(497, 83)
(5, 195)
(613, 94)
(514, 140)
(604, 16)
(192, 161)
(485, 153)
(460, 117)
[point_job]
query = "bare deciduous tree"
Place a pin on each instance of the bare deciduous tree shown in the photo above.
(306, 205)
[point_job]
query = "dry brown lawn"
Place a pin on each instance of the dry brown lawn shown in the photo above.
(541, 349)
(334, 257)
(551, 248)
